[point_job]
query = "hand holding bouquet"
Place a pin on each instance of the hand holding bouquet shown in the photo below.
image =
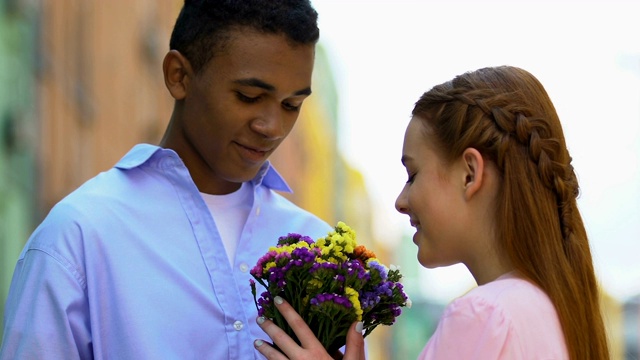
(331, 283)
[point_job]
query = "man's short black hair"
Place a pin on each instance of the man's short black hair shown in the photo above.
(203, 25)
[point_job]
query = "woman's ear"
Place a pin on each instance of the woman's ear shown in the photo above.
(177, 73)
(473, 172)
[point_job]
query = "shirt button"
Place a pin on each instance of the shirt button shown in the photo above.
(238, 325)
(258, 211)
(244, 267)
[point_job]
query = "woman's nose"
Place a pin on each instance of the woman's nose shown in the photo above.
(401, 202)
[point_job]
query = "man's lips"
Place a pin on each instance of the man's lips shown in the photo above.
(253, 153)
(256, 148)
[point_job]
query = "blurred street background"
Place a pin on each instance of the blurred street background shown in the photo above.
(81, 83)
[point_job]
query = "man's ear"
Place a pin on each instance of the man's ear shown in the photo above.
(473, 172)
(177, 74)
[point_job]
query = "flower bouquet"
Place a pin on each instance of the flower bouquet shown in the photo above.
(331, 283)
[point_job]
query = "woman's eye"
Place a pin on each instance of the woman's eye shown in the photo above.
(244, 98)
(411, 177)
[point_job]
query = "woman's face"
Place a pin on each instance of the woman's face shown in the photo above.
(433, 200)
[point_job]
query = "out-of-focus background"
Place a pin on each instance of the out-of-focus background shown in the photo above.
(81, 83)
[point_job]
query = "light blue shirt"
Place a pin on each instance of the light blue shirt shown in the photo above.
(131, 266)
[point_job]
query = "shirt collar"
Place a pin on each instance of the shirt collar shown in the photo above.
(139, 154)
(269, 177)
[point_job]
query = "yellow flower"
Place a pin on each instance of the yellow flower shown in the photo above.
(346, 229)
(283, 249)
(349, 247)
(302, 244)
(327, 249)
(354, 298)
(269, 265)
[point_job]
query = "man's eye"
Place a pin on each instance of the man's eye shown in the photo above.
(244, 98)
(290, 107)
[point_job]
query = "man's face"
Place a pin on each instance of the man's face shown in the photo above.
(241, 106)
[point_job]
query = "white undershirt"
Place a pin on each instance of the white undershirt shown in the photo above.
(230, 213)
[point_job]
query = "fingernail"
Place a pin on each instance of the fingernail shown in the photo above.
(258, 343)
(278, 300)
(260, 320)
(359, 327)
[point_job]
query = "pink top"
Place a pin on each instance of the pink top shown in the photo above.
(508, 318)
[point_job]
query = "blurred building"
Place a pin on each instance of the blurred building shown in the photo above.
(18, 134)
(100, 87)
(631, 328)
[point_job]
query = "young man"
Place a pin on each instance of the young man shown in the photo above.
(151, 259)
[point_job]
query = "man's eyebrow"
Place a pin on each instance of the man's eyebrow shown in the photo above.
(255, 83)
(305, 91)
(266, 86)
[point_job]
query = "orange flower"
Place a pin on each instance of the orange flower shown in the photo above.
(362, 253)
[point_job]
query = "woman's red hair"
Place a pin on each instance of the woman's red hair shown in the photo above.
(506, 114)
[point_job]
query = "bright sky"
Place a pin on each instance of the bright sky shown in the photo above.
(385, 54)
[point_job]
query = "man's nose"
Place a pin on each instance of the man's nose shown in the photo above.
(270, 123)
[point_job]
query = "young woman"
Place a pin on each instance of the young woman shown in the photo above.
(491, 185)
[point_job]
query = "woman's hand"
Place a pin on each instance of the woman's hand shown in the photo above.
(311, 348)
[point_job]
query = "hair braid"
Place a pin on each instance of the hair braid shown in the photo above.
(533, 133)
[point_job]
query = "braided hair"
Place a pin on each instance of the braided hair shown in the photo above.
(506, 114)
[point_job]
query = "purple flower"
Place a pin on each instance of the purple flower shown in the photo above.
(257, 270)
(264, 302)
(293, 238)
(305, 254)
(324, 266)
(379, 268)
(334, 298)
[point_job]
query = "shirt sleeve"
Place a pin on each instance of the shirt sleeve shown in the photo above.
(472, 328)
(46, 314)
